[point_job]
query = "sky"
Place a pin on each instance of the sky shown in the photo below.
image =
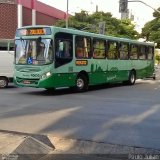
(141, 12)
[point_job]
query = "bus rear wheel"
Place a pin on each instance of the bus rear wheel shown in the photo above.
(3, 82)
(132, 78)
(81, 83)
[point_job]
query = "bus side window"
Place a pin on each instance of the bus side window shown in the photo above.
(79, 52)
(99, 48)
(63, 48)
(112, 50)
(59, 48)
(133, 51)
(123, 50)
(150, 52)
(67, 49)
(142, 52)
(83, 47)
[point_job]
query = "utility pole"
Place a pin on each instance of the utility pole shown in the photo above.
(67, 15)
(19, 14)
(33, 12)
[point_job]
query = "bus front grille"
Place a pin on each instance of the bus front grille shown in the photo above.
(27, 81)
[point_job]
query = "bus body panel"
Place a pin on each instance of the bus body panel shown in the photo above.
(65, 76)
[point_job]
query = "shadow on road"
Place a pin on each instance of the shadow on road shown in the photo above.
(64, 91)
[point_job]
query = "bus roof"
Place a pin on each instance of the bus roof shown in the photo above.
(78, 32)
(84, 33)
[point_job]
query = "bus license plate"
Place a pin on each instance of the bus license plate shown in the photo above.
(26, 82)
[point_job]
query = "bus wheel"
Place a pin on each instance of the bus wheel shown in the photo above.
(132, 78)
(3, 82)
(154, 76)
(81, 83)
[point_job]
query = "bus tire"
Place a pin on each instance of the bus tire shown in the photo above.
(3, 82)
(154, 77)
(81, 83)
(132, 78)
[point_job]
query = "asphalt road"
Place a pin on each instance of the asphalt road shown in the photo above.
(116, 114)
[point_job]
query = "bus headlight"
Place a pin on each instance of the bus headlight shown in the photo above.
(46, 75)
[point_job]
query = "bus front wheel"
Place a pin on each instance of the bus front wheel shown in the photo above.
(81, 83)
(3, 82)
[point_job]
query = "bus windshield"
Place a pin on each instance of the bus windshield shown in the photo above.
(33, 51)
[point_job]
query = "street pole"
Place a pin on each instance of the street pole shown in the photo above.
(19, 14)
(67, 15)
(33, 12)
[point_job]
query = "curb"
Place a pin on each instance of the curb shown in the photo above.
(24, 146)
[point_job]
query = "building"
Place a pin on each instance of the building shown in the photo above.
(17, 13)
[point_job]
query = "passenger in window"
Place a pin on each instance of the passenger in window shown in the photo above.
(67, 51)
(79, 53)
(94, 54)
(40, 52)
(59, 54)
(59, 49)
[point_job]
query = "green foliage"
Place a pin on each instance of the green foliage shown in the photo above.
(157, 58)
(90, 23)
(151, 30)
(156, 14)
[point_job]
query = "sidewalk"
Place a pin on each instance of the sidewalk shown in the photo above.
(19, 146)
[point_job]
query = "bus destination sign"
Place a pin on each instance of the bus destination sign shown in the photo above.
(81, 62)
(36, 31)
(33, 31)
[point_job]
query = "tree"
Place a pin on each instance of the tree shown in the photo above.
(157, 58)
(90, 22)
(151, 30)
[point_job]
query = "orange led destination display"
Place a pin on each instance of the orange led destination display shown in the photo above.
(81, 62)
(37, 31)
(33, 31)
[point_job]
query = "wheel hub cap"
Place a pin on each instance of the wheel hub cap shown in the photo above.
(80, 83)
(2, 83)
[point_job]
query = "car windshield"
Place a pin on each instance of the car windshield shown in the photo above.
(33, 51)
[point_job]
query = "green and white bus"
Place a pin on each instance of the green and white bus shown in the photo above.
(52, 57)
